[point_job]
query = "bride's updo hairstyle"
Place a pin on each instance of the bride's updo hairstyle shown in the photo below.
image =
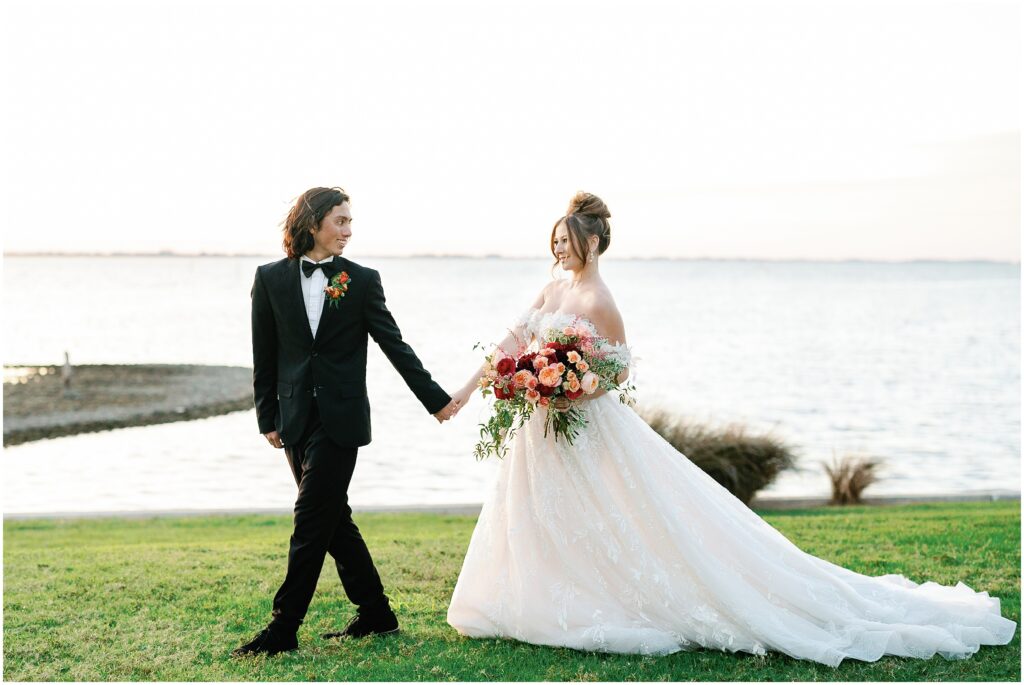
(587, 215)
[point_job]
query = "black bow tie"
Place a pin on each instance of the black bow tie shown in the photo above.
(309, 267)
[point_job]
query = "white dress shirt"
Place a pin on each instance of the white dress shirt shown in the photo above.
(313, 292)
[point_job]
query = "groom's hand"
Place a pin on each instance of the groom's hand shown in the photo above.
(274, 439)
(450, 410)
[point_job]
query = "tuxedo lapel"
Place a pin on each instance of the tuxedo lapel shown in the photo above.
(295, 302)
(329, 315)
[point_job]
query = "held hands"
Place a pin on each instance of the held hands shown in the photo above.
(459, 400)
(450, 410)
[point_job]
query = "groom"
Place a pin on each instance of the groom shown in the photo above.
(311, 314)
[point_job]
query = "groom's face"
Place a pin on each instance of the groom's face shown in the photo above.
(335, 230)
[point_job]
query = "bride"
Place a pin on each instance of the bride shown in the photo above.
(619, 543)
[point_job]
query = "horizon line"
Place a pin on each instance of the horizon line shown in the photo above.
(169, 253)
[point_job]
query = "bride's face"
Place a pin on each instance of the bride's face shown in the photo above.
(564, 253)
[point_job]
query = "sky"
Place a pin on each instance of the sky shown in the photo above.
(770, 130)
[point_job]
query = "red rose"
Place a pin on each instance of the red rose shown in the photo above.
(545, 390)
(554, 346)
(574, 395)
(504, 391)
(526, 362)
(506, 366)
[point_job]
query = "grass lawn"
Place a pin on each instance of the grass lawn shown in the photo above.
(169, 598)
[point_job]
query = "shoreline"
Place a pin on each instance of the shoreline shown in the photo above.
(512, 257)
(109, 396)
(765, 504)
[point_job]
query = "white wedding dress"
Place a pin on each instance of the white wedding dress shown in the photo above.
(619, 543)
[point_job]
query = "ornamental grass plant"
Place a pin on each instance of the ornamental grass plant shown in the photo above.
(849, 476)
(740, 462)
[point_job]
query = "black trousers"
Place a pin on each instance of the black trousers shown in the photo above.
(323, 525)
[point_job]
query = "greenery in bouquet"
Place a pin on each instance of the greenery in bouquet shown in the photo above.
(568, 364)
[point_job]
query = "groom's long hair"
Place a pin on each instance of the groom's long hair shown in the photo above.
(309, 210)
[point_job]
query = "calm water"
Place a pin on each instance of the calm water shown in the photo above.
(918, 364)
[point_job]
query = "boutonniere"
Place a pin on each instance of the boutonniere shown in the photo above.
(336, 288)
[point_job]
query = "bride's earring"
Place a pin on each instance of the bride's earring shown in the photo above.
(590, 258)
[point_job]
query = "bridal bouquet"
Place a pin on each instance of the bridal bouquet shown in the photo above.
(571, 362)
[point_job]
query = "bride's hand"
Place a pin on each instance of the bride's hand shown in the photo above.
(462, 396)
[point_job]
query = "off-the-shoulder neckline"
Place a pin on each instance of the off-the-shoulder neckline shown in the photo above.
(576, 317)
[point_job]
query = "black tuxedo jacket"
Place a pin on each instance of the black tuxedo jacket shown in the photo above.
(292, 369)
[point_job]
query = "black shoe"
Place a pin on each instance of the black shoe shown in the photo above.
(378, 623)
(269, 642)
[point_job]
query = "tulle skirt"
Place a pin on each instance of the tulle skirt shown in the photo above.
(619, 543)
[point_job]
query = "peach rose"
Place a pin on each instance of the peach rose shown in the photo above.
(539, 362)
(569, 331)
(574, 357)
(571, 376)
(533, 396)
(521, 378)
(550, 376)
(531, 382)
(547, 352)
(590, 382)
(574, 385)
(582, 366)
(561, 368)
(543, 401)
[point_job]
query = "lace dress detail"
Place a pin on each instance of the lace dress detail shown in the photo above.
(619, 543)
(533, 323)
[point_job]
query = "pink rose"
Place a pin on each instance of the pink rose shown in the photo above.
(543, 401)
(533, 396)
(590, 382)
(540, 362)
(569, 331)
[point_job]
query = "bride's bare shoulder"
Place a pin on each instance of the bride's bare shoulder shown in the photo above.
(602, 311)
(550, 294)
